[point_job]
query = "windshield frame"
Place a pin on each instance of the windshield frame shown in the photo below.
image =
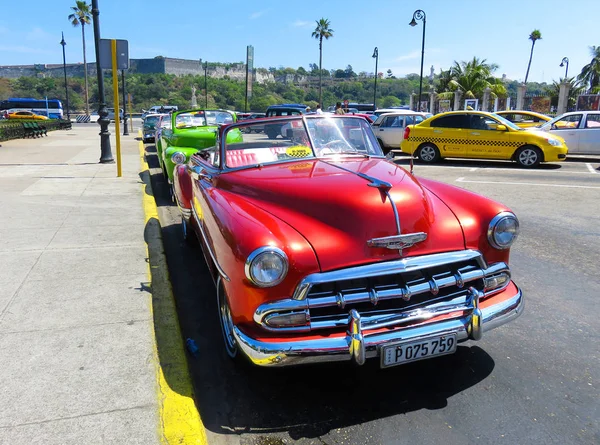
(306, 120)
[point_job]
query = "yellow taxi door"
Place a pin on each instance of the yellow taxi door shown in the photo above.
(486, 141)
(450, 134)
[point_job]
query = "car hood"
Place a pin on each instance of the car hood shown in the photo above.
(338, 212)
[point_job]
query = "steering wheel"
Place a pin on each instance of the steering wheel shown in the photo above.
(336, 145)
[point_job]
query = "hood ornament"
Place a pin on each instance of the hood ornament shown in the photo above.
(398, 242)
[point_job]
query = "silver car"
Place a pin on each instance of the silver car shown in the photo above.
(579, 129)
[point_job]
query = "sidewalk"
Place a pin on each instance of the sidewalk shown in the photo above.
(77, 332)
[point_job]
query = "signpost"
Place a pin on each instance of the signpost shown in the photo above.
(249, 73)
(114, 55)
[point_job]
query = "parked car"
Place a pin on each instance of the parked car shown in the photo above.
(524, 119)
(149, 126)
(381, 111)
(111, 114)
(480, 135)
(164, 122)
(274, 130)
(26, 115)
(389, 127)
(579, 129)
(324, 250)
(191, 131)
(160, 109)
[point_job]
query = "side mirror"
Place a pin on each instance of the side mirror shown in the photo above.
(390, 155)
(501, 127)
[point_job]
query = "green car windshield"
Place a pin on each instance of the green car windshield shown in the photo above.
(202, 118)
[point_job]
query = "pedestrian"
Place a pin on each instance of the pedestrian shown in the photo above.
(319, 110)
(339, 109)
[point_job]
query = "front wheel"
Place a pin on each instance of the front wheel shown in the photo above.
(188, 233)
(528, 156)
(231, 346)
(428, 153)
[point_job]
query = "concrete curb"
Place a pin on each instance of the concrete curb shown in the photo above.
(180, 421)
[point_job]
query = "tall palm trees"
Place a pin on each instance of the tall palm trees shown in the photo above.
(82, 16)
(590, 73)
(473, 77)
(534, 36)
(322, 31)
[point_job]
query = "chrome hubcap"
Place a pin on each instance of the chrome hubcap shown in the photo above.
(427, 153)
(528, 157)
(226, 323)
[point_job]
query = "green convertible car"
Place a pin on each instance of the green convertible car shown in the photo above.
(191, 131)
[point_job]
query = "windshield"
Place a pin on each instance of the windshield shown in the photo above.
(151, 120)
(314, 136)
(507, 122)
(202, 118)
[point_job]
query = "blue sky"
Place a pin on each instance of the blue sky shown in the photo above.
(280, 32)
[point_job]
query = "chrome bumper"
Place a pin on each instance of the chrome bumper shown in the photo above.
(358, 345)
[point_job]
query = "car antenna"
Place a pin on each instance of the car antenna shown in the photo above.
(412, 156)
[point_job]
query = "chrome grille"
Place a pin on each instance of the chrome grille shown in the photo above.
(403, 290)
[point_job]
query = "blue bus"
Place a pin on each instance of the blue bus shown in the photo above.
(46, 107)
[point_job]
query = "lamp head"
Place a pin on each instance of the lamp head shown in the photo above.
(413, 22)
(375, 53)
(62, 42)
(562, 64)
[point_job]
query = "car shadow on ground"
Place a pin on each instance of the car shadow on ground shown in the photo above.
(404, 160)
(306, 402)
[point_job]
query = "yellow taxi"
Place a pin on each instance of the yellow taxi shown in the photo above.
(524, 119)
(26, 115)
(480, 135)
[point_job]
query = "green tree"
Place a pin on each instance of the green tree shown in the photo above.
(473, 77)
(82, 16)
(590, 73)
(322, 31)
(534, 37)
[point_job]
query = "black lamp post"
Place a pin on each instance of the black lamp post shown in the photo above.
(63, 43)
(125, 131)
(376, 57)
(420, 15)
(205, 85)
(565, 60)
(105, 151)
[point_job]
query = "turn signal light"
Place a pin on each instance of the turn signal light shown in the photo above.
(496, 281)
(288, 320)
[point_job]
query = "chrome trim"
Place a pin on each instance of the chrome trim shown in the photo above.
(210, 251)
(494, 223)
(350, 346)
(387, 268)
(396, 215)
(398, 242)
(255, 254)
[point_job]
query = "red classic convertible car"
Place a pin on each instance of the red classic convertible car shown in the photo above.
(322, 249)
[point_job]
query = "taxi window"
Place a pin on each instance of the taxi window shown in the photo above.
(452, 121)
(568, 122)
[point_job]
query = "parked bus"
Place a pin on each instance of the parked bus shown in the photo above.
(46, 107)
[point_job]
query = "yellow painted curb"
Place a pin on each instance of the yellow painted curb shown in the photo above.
(180, 421)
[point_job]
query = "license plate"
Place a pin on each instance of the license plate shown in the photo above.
(399, 353)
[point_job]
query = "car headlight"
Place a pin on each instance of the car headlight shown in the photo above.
(554, 142)
(266, 266)
(503, 230)
(178, 158)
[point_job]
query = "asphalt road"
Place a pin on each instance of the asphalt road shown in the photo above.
(533, 381)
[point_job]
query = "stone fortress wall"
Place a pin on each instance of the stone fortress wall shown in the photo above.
(157, 65)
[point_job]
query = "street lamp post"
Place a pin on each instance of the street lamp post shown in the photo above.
(565, 60)
(376, 57)
(63, 43)
(105, 151)
(420, 15)
(125, 131)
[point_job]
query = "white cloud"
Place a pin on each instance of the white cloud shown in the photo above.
(301, 24)
(37, 35)
(257, 14)
(409, 56)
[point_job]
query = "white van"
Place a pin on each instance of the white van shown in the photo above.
(160, 109)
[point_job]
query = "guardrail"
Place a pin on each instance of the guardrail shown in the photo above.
(11, 129)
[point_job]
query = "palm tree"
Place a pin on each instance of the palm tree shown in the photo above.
(82, 16)
(534, 36)
(590, 73)
(473, 77)
(576, 88)
(322, 31)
